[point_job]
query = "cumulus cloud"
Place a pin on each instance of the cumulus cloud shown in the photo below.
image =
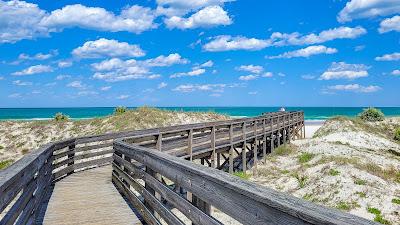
(207, 64)
(342, 70)
(281, 39)
(389, 57)
(116, 69)
(250, 68)
(107, 48)
(306, 52)
(121, 97)
(390, 24)
(194, 72)
(38, 56)
(396, 72)
(215, 88)
(135, 19)
(22, 83)
(105, 88)
(76, 84)
(64, 64)
(182, 7)
(209, 16)
(22, 20)
(34, 70)
(248, 77)
(63, 77)
(162, 61)
(358, 9)
(355, 88)
(162, 85)
(229, 43)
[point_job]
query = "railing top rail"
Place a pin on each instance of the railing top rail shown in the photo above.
(256, 195)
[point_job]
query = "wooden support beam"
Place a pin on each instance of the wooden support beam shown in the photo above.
(190, 144)
(244, 156)
(231, 149)
(213, 155)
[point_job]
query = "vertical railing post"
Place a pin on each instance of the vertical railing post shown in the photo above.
(71, 156)
(231, 149)
(244, 156)
(190, 144)
(213, 161)
(272, 135)
(255, 150)
(264, 141)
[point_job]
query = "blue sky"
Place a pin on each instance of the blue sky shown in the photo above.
(199, 53)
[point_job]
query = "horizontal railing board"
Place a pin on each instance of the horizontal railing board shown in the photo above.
(245, 201)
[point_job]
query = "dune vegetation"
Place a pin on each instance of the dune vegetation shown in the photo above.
(20, 137)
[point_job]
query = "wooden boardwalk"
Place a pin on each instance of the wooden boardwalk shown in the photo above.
(88, 197)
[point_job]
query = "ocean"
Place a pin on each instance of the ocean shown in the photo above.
(311, 113)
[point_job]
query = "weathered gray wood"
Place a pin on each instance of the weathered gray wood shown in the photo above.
(245, 201)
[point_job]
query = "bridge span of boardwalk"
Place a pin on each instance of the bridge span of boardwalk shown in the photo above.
(171, 175)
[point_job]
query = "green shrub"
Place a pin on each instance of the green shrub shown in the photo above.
(282, 150)
(4, 164)
(242, 175)
(378, 216)
(1, 147)
(346, 206)
(397, 134)
(396, 201)
(374, 211)
(359, 181)
(60, 117)
(305, 157)
(371, 115)
(333, 172)
(119, 110)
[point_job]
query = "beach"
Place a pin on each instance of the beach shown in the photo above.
(312, 126)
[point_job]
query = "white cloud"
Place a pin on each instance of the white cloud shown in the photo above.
(209, 16)
(229, 43)
(162, 61)
(252, 92)
(182, 7)
(306, 52)
(194, 72)
(63, 77)
(281, 39)
(22, 20)
(116, 69)
(162, 85)
(107, 48)
(209, 63)
(250, 68)
(1, 78)
(389, 57)
(355, 88)
(308, 77)
(248, 77)
(34, 70)
(38, 56)
(135, 19)
(121, 97)
(390, 24)
(15, 95)
(22, 83)
(64, 64)
(358, 9)
(105, 88)
(359, 48)
(215, 88)
(267, 74)
(396, 72)
(342, 70)
(76, 84)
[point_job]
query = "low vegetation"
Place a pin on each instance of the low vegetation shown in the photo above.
(4, 164)
(333, 172)
(305, 157)
(284, 149)
(119, 110)
(372, 115)
(397, 134)
(378, 215)
(243, 175)
(396, 201)
(60, 117)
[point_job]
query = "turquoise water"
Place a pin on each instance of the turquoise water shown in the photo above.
(311, 113)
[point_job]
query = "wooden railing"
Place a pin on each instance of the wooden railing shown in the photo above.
(241, 201)
(24, 185)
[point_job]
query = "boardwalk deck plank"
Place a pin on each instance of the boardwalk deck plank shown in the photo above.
(88, 197)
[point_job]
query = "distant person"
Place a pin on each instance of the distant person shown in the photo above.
(282, 109)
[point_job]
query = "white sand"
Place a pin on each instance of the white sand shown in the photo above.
(312, 126)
